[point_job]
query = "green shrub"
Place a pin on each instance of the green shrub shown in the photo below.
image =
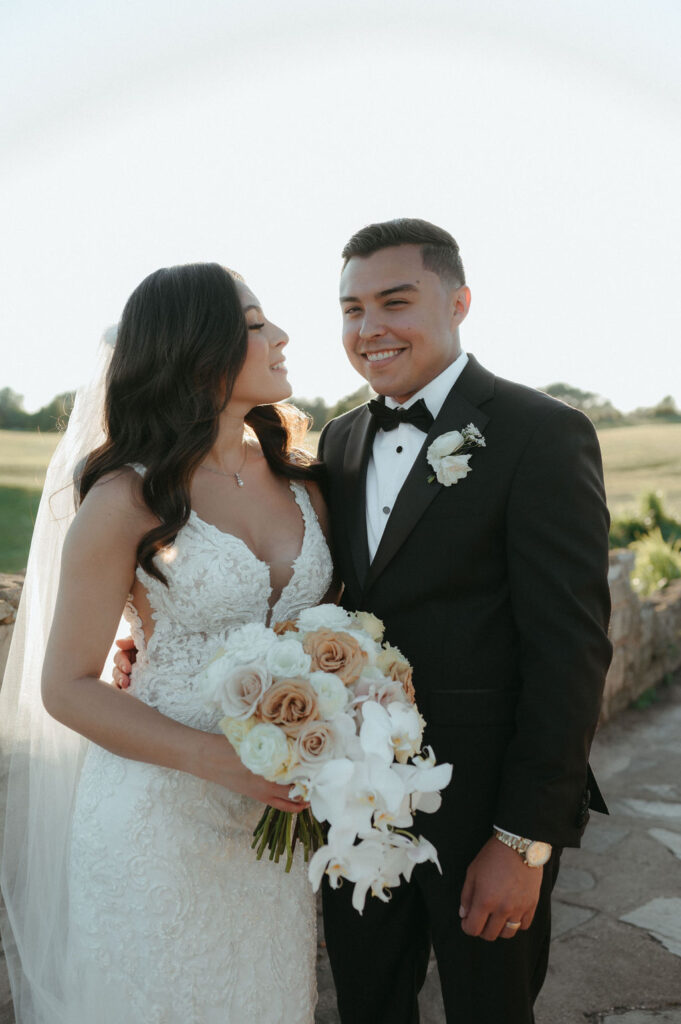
(625, 530)
(657, 562)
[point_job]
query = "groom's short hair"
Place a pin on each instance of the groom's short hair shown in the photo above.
(439, 251)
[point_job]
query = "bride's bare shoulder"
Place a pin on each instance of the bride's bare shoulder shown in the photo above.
(115, 502)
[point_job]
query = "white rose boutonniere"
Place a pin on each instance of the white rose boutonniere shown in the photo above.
(449, 454)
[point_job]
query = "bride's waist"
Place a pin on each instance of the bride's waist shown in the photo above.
(174, 691)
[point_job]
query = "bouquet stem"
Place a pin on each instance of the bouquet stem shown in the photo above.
(277, 832)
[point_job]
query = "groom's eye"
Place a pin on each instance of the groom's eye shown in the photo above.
(352, 309)
(396, 302)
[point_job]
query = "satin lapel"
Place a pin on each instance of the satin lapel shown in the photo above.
(355, 462)
(416, 493)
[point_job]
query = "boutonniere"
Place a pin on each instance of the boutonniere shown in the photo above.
(449, 454)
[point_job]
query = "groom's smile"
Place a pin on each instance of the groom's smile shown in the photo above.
(400, 321)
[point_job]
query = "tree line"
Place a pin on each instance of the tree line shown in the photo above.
(55, 415)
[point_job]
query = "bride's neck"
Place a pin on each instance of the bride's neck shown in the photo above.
(229, 445)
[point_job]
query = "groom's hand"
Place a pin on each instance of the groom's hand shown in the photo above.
(499, 888)
(124, 659)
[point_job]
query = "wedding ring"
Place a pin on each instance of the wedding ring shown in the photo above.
(512, 924)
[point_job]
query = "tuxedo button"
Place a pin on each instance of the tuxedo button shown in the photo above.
(399, 449)
(386, 509)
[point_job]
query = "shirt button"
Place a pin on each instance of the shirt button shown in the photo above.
(386, 509)
(399, 449)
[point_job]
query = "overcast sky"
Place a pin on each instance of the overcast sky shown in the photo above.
(545, 136)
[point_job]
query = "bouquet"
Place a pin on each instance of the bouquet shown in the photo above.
(321, 703)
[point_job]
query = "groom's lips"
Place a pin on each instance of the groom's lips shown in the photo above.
(387, 356)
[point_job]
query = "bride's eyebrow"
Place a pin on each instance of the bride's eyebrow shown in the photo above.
(252, 306)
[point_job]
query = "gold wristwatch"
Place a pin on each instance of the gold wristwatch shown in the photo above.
(534, 853)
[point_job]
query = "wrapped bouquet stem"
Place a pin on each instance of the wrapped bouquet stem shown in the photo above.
(323, 704)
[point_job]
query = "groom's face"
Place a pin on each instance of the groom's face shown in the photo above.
(400, 321)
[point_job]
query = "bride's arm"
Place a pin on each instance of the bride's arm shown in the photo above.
(98, 567)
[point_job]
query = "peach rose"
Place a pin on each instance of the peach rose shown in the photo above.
(290, 704)
(338, 653)
(285, 627)
(394, 665)
(315, 743)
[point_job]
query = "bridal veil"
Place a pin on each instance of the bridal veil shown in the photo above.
(41, 757)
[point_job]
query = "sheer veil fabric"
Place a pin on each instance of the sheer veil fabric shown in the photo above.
(41, 757)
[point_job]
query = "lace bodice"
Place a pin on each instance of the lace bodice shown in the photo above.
(215, 583)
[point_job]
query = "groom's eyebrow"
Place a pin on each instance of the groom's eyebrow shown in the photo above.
(397, 288)
(386, 291)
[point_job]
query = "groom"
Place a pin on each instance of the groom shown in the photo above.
(494, 586)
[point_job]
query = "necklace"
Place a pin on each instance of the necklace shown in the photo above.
(237, 475)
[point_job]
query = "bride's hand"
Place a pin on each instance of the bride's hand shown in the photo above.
(219, 762)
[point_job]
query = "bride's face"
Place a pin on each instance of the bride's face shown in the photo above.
(262, 379)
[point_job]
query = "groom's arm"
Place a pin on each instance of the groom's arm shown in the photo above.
(557, 544)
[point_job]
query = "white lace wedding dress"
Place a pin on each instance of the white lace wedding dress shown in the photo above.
(172, 919)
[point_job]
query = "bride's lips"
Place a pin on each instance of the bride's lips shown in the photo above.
(279, 367)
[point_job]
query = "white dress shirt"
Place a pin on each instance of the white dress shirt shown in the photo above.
(394, 453)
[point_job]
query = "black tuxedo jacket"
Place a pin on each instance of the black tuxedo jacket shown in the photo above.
(495, 588)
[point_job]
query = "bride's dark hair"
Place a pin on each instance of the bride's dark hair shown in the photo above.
(182, 341)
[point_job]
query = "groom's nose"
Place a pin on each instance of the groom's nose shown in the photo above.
(371, 327)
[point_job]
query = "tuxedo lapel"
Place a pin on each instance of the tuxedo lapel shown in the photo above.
(355, 462)
(460, 408)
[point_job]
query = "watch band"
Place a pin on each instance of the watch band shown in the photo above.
(533, 852)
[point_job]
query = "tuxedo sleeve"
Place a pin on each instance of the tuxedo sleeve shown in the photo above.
(557, 545)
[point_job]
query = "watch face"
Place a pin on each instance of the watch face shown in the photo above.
(537, 854)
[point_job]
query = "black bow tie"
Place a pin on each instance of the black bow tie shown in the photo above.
(417, 414)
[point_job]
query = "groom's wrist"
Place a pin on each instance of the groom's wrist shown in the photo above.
(533, 852)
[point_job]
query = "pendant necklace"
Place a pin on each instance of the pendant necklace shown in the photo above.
(237, 475)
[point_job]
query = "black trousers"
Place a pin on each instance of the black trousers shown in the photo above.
(379, 960)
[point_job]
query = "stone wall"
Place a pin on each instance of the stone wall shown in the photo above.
(10, 592)
(646, 634)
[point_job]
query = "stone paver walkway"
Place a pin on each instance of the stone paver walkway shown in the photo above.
(616, 955)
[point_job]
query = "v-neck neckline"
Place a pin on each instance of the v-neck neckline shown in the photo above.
(294, 486)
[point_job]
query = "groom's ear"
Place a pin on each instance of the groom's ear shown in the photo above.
(461, 301)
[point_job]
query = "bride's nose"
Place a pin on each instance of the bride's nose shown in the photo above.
(281, 339)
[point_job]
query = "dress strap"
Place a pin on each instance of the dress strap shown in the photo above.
(138, 467)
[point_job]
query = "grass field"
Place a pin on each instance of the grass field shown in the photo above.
(636, 459)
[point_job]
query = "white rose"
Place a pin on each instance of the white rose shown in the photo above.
(324, 616)
(371, 676)
(242, 688)
(332, 694)
(236, 730)
(249, 643)
(371, 647)
(286, 659)
(211, 678)
(265, 751)
(445, 444)
(452, 469)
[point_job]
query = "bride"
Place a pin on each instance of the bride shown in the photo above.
(196, 514)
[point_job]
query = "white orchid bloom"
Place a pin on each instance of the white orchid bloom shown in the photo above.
(329, 789)
(406, 730)
(401, 818)
(422, 778)
(328, 860)
(418, 853)
(375, 732)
